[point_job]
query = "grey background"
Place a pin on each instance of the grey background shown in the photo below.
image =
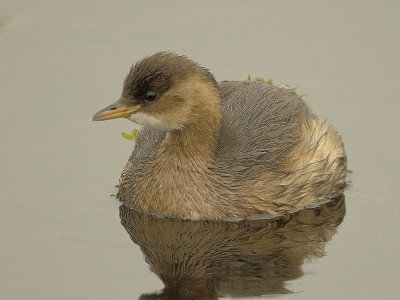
(61, 61)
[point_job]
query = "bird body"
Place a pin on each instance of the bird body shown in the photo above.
(213, 150)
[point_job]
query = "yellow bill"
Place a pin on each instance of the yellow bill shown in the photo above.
(116, 110)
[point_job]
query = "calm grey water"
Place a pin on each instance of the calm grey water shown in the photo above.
(60, 230)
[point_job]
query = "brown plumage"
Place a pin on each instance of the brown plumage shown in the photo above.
(213, 150)
(207, 259)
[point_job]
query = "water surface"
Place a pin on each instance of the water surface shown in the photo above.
(251, 257)
(61, 61)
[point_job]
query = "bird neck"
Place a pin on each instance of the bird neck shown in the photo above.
(198, 139)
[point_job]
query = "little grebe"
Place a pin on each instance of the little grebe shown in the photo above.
(213, 150)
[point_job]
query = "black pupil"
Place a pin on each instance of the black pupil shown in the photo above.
(151, 96)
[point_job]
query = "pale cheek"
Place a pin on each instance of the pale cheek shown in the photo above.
(147, 120)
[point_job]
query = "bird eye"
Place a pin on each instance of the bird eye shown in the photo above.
(150, 96)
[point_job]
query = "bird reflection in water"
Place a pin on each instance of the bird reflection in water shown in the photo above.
(238, 258)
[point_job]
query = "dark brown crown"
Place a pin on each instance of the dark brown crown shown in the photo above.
(159, 72)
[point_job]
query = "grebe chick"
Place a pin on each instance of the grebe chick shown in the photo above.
(211, 150)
